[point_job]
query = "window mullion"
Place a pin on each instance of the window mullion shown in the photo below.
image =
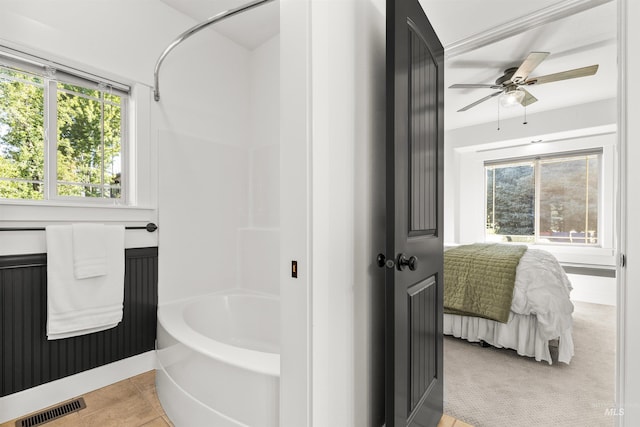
(126, 151)
(51, 140)
(536, 208)
(586, 201)
(102, 183)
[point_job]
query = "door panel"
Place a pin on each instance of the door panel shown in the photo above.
(423, 121)
(422, 301)
(413, 285)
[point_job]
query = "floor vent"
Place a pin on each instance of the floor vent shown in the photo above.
(51, 414)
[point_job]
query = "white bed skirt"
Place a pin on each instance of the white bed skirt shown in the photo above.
(520, 334)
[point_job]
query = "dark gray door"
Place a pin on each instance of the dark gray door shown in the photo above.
(415, 96)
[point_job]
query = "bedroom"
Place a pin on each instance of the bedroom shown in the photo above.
(572, 118)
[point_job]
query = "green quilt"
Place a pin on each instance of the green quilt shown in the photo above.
(479, 279)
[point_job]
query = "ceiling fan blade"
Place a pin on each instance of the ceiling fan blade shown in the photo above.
(474, 86)
(564, 75)
(528, 98)
(479, 101)
(528, 65)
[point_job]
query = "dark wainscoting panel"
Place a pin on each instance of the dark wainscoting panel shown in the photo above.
(28, 359)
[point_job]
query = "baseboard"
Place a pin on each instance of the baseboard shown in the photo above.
(593, 289)
(24, 402)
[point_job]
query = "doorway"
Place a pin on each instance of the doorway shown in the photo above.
(594, 277)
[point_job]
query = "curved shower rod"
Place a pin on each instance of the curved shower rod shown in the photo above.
(191, 31)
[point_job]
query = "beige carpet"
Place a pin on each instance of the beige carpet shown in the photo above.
(490, 387)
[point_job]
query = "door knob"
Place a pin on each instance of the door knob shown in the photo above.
(404, 262)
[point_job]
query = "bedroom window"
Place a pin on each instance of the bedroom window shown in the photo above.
(552, 199)
(62, 133)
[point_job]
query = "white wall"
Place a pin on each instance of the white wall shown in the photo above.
(569, 129)
(258, 262)
(593, 289)
(203, 119)
(203, 202)
(295, 142)
(144, 28)
(264, 87)
(219, 175)
(348, 134)
(332, 197)
(369, 230)
(204, 89)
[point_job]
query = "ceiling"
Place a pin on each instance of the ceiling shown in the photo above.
(249, 29)
(579, 40)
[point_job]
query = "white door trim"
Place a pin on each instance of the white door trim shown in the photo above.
(621, 206)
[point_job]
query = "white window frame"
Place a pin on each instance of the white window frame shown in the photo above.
(536, 161)
(52, 73)
(469, 188)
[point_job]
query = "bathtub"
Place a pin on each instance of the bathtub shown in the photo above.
(219, 361)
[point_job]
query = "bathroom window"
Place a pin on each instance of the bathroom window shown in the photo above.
(62, 133)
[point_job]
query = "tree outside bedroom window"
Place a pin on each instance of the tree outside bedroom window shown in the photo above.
(551, 199)
(61, 135)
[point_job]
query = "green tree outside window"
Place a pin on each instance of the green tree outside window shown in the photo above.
(87, 128)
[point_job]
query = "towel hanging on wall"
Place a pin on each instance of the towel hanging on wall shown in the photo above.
(89, 250)
(82, 306)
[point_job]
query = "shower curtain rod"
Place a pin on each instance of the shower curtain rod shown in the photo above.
(191, 31)
(150, 227)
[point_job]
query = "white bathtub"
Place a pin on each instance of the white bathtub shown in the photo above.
(219, 360)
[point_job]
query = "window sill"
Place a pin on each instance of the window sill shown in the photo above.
(583, 256)
(42, 214)
(68, 203)
(37, 215)
(597, 257)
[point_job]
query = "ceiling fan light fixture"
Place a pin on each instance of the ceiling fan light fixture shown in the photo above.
(509, 84)
(511, 97)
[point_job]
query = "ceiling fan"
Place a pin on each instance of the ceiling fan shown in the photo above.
(512, 83)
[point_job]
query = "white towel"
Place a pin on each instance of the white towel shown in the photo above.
(78, 307)
(89, 250)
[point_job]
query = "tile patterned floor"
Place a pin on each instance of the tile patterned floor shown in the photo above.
(134, 403)
(129, 403)
(448, 421)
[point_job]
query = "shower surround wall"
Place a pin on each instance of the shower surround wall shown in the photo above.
(219, 182)
(259, 242)
(219, 204)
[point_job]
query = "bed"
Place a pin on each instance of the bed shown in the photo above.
(508, 296)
